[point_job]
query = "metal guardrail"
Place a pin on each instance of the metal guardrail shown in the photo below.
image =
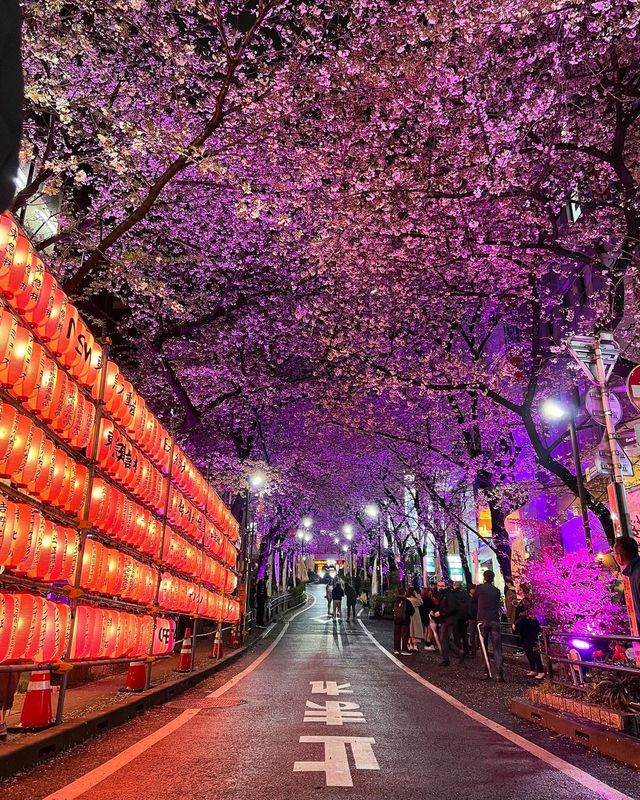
(576, 666)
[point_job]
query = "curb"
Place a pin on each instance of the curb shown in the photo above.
(614, 744)
(18, 756)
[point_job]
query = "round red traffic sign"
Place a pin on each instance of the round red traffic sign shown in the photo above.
(633, 386)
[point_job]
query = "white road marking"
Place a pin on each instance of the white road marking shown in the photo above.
(600, 789)
(330, 688)
(92, 778)
(333, 712)
(104, 771)
(336, 763)
(255, 664)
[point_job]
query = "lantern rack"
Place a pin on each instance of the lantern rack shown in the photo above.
(81, 366)
(103, 538)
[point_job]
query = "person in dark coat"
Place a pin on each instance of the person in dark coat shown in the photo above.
(625, 552)
(528, 629)
(428, 605)
(403, 610)
(447, 616)
(337, 593)
(261, 600)
(350, 594)
(11, 97)
(487, 599)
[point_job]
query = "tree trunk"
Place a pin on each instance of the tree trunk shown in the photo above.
(463, 559)
(500, 538)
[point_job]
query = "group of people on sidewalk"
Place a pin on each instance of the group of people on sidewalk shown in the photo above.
(452, 619)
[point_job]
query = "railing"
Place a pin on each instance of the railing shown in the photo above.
(283, 602)
(572, 654)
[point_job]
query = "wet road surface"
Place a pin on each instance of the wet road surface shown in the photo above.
(320, 709)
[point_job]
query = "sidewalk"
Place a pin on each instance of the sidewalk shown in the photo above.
(104, 693)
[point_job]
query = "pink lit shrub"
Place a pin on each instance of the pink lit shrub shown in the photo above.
(573, 591)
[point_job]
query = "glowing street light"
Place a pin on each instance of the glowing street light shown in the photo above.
(307, 537)
(300, 535)
(553, 410)
(256, 480)
(371, 510)
(347, 529)
(345, 548)
(307, 522)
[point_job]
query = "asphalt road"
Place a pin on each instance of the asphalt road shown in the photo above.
(372, 730)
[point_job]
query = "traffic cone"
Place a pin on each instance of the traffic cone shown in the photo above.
(36, 711)
(184, 665)
(217, 651)
(136, 677)
(235, 640)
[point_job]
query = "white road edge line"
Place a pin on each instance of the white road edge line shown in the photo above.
(95, 776)
(599, 788)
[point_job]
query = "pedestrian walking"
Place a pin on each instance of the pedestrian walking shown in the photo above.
(328, 594)
(447, 616)
(337, 593)
(403, 610)
(528, 629)
(463, 602)
(261, 601)
(488, 604)
(416, 629)
(351, 596)
(625, 552)
(425, 610)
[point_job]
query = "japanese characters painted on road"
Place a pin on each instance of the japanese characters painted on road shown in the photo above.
(333, 712)
(593, 404)
(604, 463)
(335, 764)
(633, 386)
(336, 713)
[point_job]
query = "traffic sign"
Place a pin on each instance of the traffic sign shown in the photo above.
(633, 386)
(593, 404)
(582, 348)
(604, 462)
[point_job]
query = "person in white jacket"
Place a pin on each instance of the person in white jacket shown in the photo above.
(328, 595)
(416, 628)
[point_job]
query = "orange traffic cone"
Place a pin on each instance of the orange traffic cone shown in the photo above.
(217, 651)
(184, 665)
(136, 677)
(36, 711)
(235, 639)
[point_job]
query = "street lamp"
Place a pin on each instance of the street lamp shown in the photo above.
(347, 529)
(307, 522)
(554, 411)
(255, 481)
(372, 511)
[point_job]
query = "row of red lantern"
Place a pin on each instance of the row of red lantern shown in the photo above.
(25, 283)
(32, 461)
(32, 629)
(184, 556)
(125, 463)
(108, 571)
(106, 633)
(221, 609)
(32, 545)
(36, 296)
(118, 456)
(188, 598)
(121, 518)
(33, 378)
